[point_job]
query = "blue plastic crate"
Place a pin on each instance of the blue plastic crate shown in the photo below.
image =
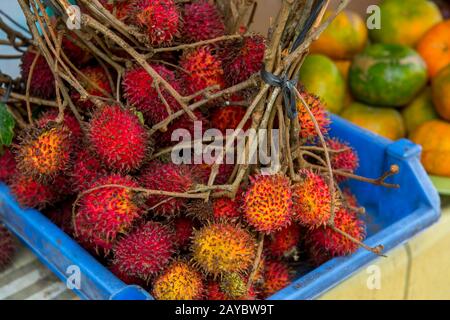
(396, 215)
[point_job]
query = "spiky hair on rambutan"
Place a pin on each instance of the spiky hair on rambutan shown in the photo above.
(179, 281)
(7, 166)
(61, 215)
(107, 212)
(127, 279)
(229, 117)
(202, 21)
(243, 58)
(7, 247)
(31, 193)
(234, 285)
(344, 157)
(220, 248)
(307, 128)
(200, 209)
(284, 243)
(86, 170)
(70, 122)
(333, 242)
(119, 139)
(141, 92)
(268, 203)
(42, 83)
(120, 9)
(145, 251)
(184, 228)
(226, 209)
(44, 153)
(312, 199)
(96, 83)
(166, 177)
(214, 292)
(160, 20)
(277, 276)
(203, 70)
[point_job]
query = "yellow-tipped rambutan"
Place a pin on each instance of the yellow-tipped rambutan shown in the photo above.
(233, 285)
(180, 281)
(220, 248)
(268, 203)
(307, 128)
(214, 292)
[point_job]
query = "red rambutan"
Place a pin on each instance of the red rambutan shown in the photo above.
(127, 279)
(120, 9)
(166, 177)
(31, 193)
(118, 138)
(69, 121)
(307, 129)
(62, 216)
(243, 59)
(268, 203)
(145, 251)
(229, 117)
(204, 70)
(95, 81)
(86, 170)
(284, 243)
(184, 228)
(226, 208)
(345, 158)
(159, 19)
(140, 92)
(7, 166)
(336, 244)
(7, 247)
(106, 212)
(202, 21)
(42, 81)
(276, 277)
(312, 199)
(74, 53)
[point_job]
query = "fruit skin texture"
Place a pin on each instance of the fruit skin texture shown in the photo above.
(180, 281)
(325, 238)
(86, 170)
(226, 208)
(159, 19)
(307, 129)
(312, 199)
(387, 75)
(420, 110)
(31, 193)
(145, 251)
(277, 276)
(283, 243)
(405, 24)
(345, 161)
(105, 213)
(228, 117)
(233, 285)
(96, 84)
(7, 166)
(321, 77)
(434, 136)
(69, 121)
(42, 82)
(434, 47)
(7, 247)
(184, 228)
(386, 122)
(343, 38)
(118, 138)
(202, 21)
(141, 93)
(44, 153)
(268, 203)
(166, 177)
(203, 70)
(120, 9)
(221, 248)
(440, 89)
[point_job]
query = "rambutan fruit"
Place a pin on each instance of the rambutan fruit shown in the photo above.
(184, 228)
(233, 285)
(333, 242)
(120, 9)
(7, 247)
(350, 198)
(127, 279)
(214, 292)
(200, 209)
(61, 215)
(202, 21)
(44, 153)
(317, 256)
(243, 58)
(225, 208)
(7, 166)
(307, 129)
(166, 177)
(203, 70)
(95, 81)
(69, 121)
(158, 19)
(203, 171)
(141, 92)
(268, 203)
(312, 199)
(118, 138)
(105, 213)
(86, 170)
(31, 193)
(229, 117)
(220, 248)
(42, 82)
(276, 277)
(74, 53)
(180, 281)
(344, 158)
(284, 243)
(145, 251)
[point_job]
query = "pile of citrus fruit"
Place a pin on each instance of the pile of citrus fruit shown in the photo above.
(393, 80)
